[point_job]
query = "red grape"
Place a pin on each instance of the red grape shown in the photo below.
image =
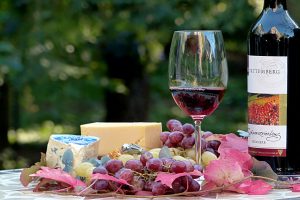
(174, 125)
(126, 174)
(134, 165)
(206, 134)
(158, 188)
(100, 170)
(189, 183)
(194, 186)
(176, 137)
(101, 185)
(178, 167)
(138, 183)
(198, 167)
(187, 142)
(168, 143)
(186, 181)
(145, 157)
(154, 164)
(189, 166)
(167, 162)
(177, 186)
(164, 136)
(188, 129)
(148, 185)
(113, 165)
(203, 144)
(214, 144)
(212, 151)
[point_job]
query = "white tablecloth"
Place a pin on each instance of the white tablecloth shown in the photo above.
(11, 188)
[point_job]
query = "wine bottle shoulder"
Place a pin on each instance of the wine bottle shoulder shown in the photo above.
(278, 23)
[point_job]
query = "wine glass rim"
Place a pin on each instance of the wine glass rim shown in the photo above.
(193, 31)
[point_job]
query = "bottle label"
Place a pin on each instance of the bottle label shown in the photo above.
(267, 104)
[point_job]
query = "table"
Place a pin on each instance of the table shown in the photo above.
(11, 188)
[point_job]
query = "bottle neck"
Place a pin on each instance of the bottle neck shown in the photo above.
(274, 4)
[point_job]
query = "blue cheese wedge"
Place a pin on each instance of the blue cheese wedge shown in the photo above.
(67, 151)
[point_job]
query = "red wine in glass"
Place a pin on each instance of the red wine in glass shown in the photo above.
(198, 102)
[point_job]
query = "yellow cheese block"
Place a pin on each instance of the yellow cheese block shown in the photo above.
(114, 135)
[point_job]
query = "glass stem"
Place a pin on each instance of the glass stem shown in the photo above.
(198, 135)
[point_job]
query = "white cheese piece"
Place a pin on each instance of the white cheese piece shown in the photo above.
(67, 151)
(114, 135)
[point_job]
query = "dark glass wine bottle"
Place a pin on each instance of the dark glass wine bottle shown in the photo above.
(274, 89)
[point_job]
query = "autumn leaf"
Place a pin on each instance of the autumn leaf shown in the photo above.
(262, 168)
(223, 172)
(234, 155)
(295, 187)
(109, 178)
(58, 175)
(233, 141)
(168, 178)
(25, 177)
(256, 187)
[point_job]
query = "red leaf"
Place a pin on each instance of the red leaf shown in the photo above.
(58, 175)
(223, 172)
(208, 185)
(243, 158)
(257, 187)
(234, 142)
(25, 177)
(168, 178)
(295, 187)
(109, 178)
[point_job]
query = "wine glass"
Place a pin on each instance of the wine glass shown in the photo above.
(198, 75)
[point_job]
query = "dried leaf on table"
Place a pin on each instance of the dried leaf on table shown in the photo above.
(25, 178)
(262, 168)
(109, 178)
(58, 175)
(168, 179)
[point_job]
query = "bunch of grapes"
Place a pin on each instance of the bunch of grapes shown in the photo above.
(183, 136)
(178, 135)
(141, 173)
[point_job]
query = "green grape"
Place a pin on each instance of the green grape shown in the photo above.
(180, 158)
(175, 152)
(208, 156)
(190, 153)
(84, 169)
(155, 152)
(192, 161)
(125, 157)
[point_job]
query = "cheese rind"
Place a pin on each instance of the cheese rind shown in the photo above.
(114, 135)
(63, 150)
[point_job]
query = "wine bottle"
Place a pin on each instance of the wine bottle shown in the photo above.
(274, 88)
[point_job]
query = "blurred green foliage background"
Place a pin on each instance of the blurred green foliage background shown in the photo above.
(68, 62)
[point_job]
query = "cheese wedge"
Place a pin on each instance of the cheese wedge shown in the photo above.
(114, 135)
(67, 151)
